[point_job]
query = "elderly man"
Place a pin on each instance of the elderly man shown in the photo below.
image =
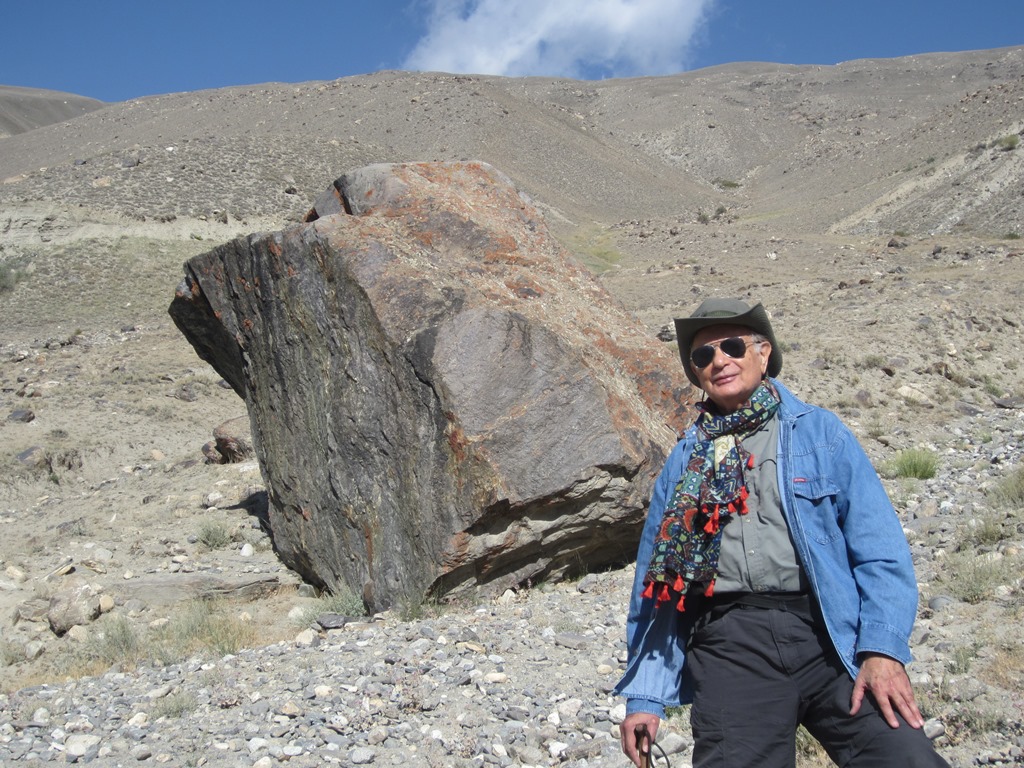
(774, 585)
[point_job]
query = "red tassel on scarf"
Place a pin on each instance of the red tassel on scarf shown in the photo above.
(742, 506)
(711, 526)
(664, 595)
(665, 592)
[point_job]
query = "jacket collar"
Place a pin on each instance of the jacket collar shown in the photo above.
(792, 406)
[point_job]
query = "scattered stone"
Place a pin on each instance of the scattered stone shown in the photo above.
(361, 756)
(75, 603)
(35, 458)
(212, 499)
(934, 728)
(32, 610)
(34, 649)
(141, 752)
(1009, 403)
(79, 745)
(332, 620)
(915, 396)
(306, 637)
(940, 603)
(571, 640)
(968, 409)
(233, 440)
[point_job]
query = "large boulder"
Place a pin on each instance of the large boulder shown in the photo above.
(440, 396)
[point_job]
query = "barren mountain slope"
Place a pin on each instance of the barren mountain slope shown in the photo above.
(23, 109)
(869, 205)
(765, 141)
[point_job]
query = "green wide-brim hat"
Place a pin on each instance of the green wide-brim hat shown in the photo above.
(725, 312)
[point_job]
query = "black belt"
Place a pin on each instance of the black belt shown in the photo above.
(792, 602)
(779, 601)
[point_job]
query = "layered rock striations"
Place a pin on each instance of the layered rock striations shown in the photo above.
(441, 397)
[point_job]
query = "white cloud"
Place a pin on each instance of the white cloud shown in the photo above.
(559, 38)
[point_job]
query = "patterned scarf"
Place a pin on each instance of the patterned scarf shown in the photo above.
(711, 489)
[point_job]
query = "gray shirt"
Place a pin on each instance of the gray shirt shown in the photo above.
(757, 552)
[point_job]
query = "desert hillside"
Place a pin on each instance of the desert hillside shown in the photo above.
(865, 147)
(875, 207)
(24, 109)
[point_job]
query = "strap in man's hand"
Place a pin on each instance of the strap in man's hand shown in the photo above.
(643, 744)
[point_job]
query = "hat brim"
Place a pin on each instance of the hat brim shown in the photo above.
(755, 318)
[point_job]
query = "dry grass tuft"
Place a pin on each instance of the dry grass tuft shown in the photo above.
(918, 463)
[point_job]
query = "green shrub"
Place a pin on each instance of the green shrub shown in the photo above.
(343, 602)
(919, 463)
(1007, 143)
(111, 641)
(415, 610)
(116, 643)
(973, 578)
(986, 531)
(963, 658)
(974, 719)
(204, 625)
(876, 428)
(213, 535)
(726, 183)
(1010, 490)
(10, 653)
(991, 386)
(9, 277)
(174, 705)
(595, 248)
(874, 361)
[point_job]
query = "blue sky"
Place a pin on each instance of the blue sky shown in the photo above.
(115, 50)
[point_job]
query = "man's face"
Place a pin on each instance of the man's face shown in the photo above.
(730, 381)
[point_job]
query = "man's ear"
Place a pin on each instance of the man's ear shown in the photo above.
(765, 357)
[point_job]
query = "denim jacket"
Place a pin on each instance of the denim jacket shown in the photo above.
(847, 537)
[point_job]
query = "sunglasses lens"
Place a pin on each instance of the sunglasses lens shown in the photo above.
(701, 357)
(734, 347)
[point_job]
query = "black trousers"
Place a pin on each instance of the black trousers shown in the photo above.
(759, 672)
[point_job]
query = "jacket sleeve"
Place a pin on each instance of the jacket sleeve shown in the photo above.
(654, 638)
(857, 555)
(878, 554)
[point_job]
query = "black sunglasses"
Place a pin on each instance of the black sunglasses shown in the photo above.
(734, 347)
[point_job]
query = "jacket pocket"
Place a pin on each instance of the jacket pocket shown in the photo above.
(816, 502)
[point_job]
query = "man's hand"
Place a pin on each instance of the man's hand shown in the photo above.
(886, 680)
(628, 738)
